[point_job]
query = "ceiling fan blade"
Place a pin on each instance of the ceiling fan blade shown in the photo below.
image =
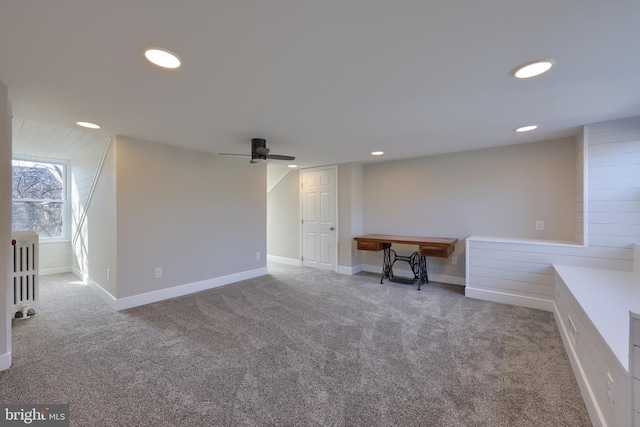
(280, 157)
(233, 154)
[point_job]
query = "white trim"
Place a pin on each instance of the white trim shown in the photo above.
(350, 271)
(79, 274)
(66, 200)
(596, 416)
(103, 293)
(521, 241)
(441, 278)
(85, 210)
(585, 186)
(57, 270)
(175, 291)
(5, 361)
(506, 298)
(277, 180)
(283, 260)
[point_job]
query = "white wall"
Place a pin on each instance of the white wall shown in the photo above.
(82, 150)
(499, 191)
(85, 163)
(54, 257)
(198, 216)
(350, 217)
(520, 272)
(5, 228)
(283, 201)
(96, 249)
(614, 184)
(283, 219)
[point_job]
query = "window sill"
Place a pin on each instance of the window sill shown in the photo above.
(46, 241)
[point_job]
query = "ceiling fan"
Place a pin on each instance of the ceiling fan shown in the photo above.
(260, 152)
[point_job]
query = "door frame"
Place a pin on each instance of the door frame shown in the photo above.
(335, 202)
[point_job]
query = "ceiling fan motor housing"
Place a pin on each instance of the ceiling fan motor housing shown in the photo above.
(259, 148)
(260, 152)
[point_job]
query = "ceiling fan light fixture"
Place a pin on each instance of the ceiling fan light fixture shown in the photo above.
(533, 69)
(292, 166)
(162, 58)
(377, 153)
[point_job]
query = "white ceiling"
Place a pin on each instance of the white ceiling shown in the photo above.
(326, 81)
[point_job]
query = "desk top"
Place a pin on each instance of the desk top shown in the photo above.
(408, 240)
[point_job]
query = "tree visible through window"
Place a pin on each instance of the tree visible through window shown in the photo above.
(38, 191)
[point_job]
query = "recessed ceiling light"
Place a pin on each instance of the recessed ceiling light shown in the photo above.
(533, 69)
(162, 58)
(527, 128)
(88, 125)
(293, 166)
(377, 153)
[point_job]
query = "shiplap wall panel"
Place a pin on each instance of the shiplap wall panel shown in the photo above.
(518, 276)
(54, 257)
(615, 125)
(513, 287)
(580, 208)
(43, 133)
(609, 200)
(523, 266)
(597, 206)
(23, 132)
(82, 149)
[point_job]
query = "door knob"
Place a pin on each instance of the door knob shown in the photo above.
(332, 228)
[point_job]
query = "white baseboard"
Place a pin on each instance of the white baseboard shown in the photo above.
(189, 288)
(512, 299)
(5, 361)
(58, 270)
(441, 278)
(283, 260)
(588, 396)
(350, 271)
(79, 274)
(102, 293)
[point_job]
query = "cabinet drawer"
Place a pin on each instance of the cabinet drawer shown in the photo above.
(636, 419)
(436, 251)
(636, 331)
(636, 363)
(370, 246)
(636, 394)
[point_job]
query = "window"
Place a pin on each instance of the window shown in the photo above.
(39, 194)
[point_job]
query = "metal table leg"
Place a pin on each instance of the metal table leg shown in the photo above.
(423, 276)
(386, 263)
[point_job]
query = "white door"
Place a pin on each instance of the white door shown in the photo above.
(319, 218)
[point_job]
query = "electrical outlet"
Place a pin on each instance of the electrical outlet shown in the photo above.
(158, 272)
(454, 260)
(539, 225)
(258, 255)
(108, 274)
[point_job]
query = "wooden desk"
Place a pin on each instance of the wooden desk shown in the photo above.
(441, 247)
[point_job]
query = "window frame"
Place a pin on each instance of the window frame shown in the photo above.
(66, 194)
